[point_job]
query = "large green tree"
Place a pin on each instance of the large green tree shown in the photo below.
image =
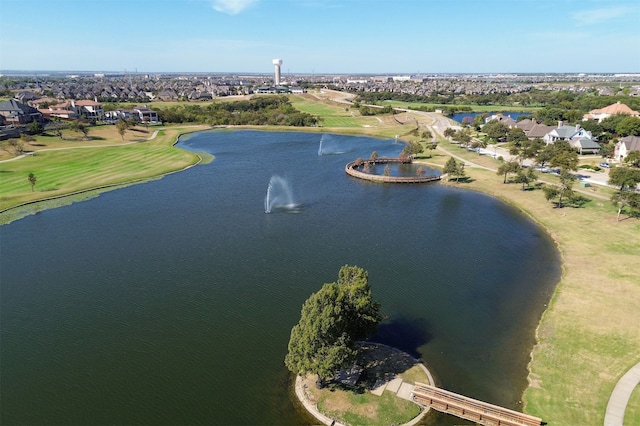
(558, 154)
(562, 192)
(633, 159)
(413, 148)
(331, 322)
(454, 168)
(496, 130)
(628, 126)
(626, 179)
(525, 176)
(122, 126)
(508, 167)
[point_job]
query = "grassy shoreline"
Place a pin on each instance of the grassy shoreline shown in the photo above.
(586, 339)
(588, 336)
(71, 167)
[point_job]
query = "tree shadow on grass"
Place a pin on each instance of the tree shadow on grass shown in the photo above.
(576, 202)
(463, 179)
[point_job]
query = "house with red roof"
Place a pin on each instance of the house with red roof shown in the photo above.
(72, 109)
(608, 111)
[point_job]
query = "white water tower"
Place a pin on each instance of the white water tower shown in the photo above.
(277, 63)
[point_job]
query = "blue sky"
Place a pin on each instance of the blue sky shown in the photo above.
(321, 36)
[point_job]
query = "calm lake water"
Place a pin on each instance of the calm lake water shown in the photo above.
(171, 302)
(513, 114)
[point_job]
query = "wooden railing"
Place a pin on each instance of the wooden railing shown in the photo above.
(351, 170)
(470, 409)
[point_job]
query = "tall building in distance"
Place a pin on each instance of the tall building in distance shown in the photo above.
(276, 64)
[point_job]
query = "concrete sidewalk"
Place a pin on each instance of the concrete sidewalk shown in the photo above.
(614, 416)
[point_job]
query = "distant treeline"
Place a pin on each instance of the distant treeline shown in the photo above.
(451, 103)
(260, 110)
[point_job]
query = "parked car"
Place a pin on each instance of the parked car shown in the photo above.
(605, 165)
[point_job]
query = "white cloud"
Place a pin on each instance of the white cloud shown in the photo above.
(597, 16)
(232, 7)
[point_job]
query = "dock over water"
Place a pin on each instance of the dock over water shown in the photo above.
(470, 409)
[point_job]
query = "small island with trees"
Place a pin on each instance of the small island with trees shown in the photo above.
(341, 377)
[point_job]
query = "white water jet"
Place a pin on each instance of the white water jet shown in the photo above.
(328, 145)
(279, 195)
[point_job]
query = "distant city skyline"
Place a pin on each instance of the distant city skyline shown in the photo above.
(322, 36)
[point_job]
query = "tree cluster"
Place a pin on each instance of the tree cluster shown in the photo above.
(557, 105)
(367, 110)
(626, 179)
(260, 110)
(331, 322)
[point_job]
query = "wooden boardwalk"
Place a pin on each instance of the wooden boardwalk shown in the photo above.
(352, 170)
(470, 409)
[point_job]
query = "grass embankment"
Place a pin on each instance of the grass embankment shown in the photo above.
(589, 335)
(71, 165)
(342, 118)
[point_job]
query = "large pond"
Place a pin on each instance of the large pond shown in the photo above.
(459, 117)
(172, 302)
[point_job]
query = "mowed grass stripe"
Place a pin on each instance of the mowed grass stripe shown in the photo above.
(60, 172)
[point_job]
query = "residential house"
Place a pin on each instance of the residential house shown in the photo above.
(608, 111)
(272, 90)
(168, 95)
(89, 109)
(504, 119)
(200, 96)
(113, 116)
(526, 125)
(625, 146)
(578, 138)
(145, 115)
(25, 96)
(536, 130)
(38, 103)
(62, 110)
(15, 112)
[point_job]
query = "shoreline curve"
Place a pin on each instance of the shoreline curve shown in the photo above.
(315, 412)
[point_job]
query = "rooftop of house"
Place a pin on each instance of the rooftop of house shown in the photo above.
(632, 143)
(16, 106)
(587, 143)
(539, 130)
(617, 108)
(87, 102)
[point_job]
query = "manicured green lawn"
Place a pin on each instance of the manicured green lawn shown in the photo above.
(333, 115)
(632, 414)
(368, 409)
(83, 165)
